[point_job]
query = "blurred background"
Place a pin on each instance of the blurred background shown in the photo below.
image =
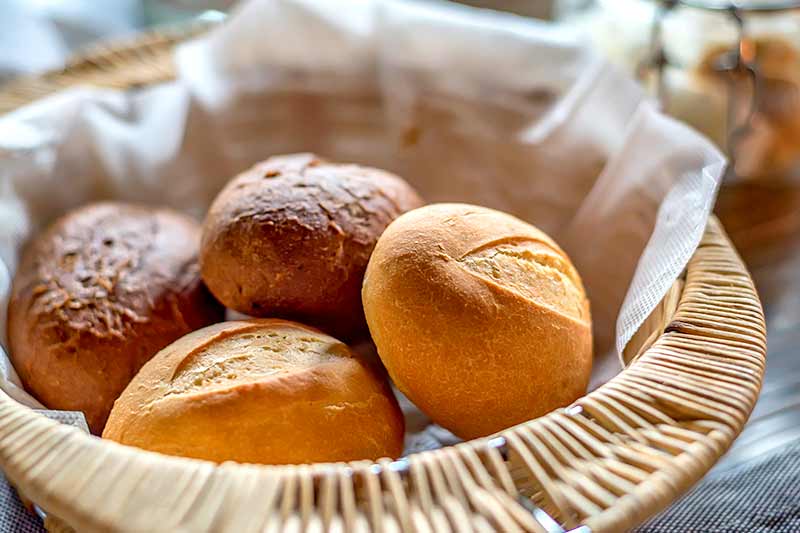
(37, 35)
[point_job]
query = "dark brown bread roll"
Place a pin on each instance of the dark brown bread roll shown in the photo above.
(96, 296)
(291, 238)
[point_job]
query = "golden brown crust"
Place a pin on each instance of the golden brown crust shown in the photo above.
(99, 293)
(270, 391)
(477, 349)
(291, 237)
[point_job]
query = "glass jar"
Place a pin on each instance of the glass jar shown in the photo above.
(730, 69)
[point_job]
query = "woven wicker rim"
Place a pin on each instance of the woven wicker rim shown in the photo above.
(614, 458)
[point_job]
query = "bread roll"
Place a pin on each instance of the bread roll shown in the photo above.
(97, 295)
(291, 238)
(480, 318)
(259, 391)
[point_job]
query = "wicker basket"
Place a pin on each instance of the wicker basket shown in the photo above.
(605, 464)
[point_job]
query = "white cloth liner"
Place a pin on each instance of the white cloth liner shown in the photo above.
(468, 105)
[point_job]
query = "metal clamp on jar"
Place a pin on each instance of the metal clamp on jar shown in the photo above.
(732, 70)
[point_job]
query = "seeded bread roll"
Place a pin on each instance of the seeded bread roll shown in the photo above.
(96, 296)
(480, 319)
(259, 391)
(291, 238)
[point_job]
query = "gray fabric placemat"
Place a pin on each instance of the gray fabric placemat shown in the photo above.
(760, 496)
(13, 515)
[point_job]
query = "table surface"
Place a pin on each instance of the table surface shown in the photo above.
(764, 223)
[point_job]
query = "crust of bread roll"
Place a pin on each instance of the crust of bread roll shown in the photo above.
(263, 391)
(291, 238)
(480, 318)
(97, 295)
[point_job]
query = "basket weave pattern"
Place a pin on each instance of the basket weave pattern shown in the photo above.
(614, 458)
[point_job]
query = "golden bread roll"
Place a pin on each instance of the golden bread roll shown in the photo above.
(259, 391)
(291, 238)
(480, 319)
(97, 295)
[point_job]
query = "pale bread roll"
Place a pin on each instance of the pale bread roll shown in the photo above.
(259, 391)
(480, 318)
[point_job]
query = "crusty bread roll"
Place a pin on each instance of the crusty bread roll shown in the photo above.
(259, 391)
(97, 295)
(291, 238)
(480, 318)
